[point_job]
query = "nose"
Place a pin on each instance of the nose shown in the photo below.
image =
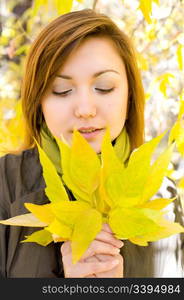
(85, 106)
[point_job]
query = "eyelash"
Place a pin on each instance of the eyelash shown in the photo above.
(65, 93)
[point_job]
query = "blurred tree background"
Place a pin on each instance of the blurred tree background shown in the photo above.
(157, 30)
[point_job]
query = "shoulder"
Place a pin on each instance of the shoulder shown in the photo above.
(22, 173)
(27, 162)
(13, 160)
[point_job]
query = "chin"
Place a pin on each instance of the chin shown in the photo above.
(96, 148)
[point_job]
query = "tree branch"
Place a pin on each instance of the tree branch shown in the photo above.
(95, 4)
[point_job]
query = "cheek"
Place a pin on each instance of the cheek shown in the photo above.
(116, 109)
(53, 111)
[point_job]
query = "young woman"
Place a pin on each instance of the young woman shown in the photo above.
(81, 73)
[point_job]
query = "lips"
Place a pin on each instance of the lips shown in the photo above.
(89, 133)
(87, 129)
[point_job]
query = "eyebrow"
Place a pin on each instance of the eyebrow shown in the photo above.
(94, 75)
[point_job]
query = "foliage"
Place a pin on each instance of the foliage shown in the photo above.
(106, 192)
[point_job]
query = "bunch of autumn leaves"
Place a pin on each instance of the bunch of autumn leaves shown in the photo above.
(106, 191)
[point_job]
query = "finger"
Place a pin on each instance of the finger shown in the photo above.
(66, 248)
(83, 269)
(92, 259)
(98, 247)
(106, 228)
(105, 257)
(99, 267)
(116, 272)
(107, 237)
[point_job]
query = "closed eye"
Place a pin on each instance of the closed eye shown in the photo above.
(104, 91)
(62, 93)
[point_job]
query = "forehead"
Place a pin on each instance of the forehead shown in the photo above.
(94, 53)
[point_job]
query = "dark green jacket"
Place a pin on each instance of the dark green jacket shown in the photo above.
(21, 181)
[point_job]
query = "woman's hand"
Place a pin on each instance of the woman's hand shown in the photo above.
(116, 272)
(101, 259)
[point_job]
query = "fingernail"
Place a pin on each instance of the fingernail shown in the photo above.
(116, 250)
(121, 244)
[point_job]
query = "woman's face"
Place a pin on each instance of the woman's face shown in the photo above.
(88, 94)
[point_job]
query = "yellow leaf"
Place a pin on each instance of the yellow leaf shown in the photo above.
(85, 164)
(157, 204)
(174, 132)
(28, 220)
(65, 161)
(181, 183)
(87, 226)
(67, 212)
(181, 191)
(142, 61)
(156, 1)
(81, 166)
(125, 186)
(177, 135)
(181, 109)
(140, 160)
(110, 165)
(62, 231)
(42, 212)
(57, 238)
(139, 241)
(41, 237)
(54, 188)
(167, 228)
(157, 173)
(110, 160)
(37, 4)
(146, 8)
(102, 200)
(63, 6)
(127, 223)
(179, 53)
(164, 82)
